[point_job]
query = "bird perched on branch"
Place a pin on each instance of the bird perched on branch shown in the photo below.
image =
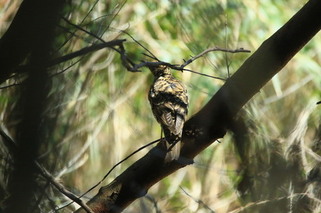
(169, 103)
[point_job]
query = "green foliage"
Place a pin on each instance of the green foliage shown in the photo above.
(103, 113)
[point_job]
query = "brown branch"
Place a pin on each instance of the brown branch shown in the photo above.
(111, 44)
(13, 148)
(202, 74)
(198, 201)
(82, 29)
(86, 50)
(112, 169)
(130, 66)
(24, 34)
(136, 67)
(62, 188)
(10, 85)
(211, 122)
(137, 42)
(213, 49)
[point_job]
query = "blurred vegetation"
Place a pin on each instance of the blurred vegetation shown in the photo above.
(102, 114)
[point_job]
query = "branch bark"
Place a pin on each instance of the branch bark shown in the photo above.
(211, 122)
(27, 30)
(29, 39)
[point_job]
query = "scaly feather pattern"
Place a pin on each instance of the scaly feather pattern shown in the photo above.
(169, 103)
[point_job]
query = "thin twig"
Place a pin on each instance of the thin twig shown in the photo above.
(82, 29)
(115, 14)
(200, 202)
(181, 67)
(198, 73)
(12, 146)
(225, 55)
(137, 42)
(151, 64)
(10, 85)
(120, 162)
(66, 68)
(212, 50)
(149, 56)
(126, 158)
(154, 202)
(125, 60)
(81, 22)
(62, 189)
(87, 50)
(90, 10)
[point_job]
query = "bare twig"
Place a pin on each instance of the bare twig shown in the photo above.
(10, 85)
(66, 68)
(181, 67)
(200, 202)
(149, 56)
(111, 44)
(12, 146)
(137, 42)
(62, 189)
(86, 50)
(82, 29)
(150, 64)
(154, 202)
(225, 55)
(198, 73)
(131, 66)
(81, 22)
(125, 60)
(117, 164)
(115, 13)
(120, 162)
(212, 50)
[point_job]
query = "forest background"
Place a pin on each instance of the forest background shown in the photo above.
(99, 112)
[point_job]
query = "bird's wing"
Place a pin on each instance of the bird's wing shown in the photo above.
(168, 118)
(170, 103)
(179, 124)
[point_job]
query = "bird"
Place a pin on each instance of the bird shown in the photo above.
(169, 103)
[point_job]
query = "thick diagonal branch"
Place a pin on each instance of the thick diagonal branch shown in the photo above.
(211, 121)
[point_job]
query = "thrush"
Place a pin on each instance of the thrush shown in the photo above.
(169, 102)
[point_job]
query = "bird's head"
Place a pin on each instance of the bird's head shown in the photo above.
(160, 70)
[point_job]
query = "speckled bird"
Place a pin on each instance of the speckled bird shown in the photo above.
(169, 102)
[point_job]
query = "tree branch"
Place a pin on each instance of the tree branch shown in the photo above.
(211, 122)
(13, 148)
(62, 189)
(86, 50)
(213, 49)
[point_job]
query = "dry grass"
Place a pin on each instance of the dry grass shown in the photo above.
(261, 166)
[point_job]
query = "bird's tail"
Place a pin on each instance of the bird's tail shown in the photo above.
(173, 151)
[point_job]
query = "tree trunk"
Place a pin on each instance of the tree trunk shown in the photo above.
(211, 122)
